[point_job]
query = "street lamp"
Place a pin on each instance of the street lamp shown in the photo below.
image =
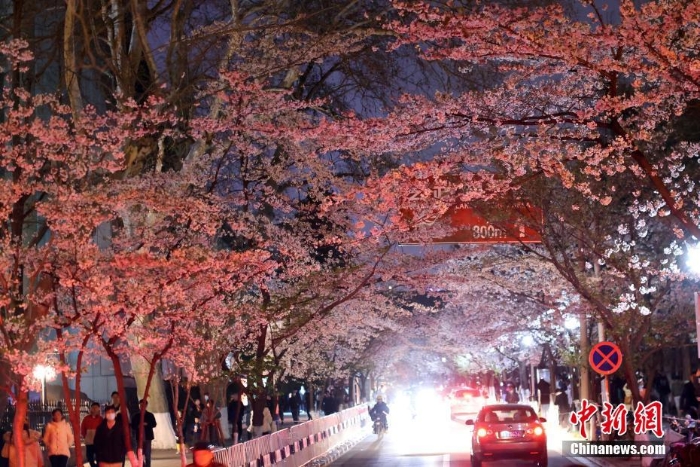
(694, 258)
(572, 323)
(44, 373)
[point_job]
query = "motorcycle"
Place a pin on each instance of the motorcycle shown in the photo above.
(379, 425)
(683, 444)
(682, 454)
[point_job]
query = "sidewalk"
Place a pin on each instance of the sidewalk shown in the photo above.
(165, 458)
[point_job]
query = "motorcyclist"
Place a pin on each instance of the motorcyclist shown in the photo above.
(380, 410)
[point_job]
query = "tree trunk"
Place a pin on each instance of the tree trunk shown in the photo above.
(181, 415)
(157, 402)
(119, 375)
(73, 406)
(18, 422)
(5, 385)
(628, 370)
(70, 62)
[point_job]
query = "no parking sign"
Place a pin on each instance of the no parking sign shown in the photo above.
(605, 358)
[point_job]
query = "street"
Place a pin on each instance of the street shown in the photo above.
(431, 439)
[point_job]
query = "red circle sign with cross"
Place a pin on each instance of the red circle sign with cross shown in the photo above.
(605, 358)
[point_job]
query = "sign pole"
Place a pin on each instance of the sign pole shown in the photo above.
(697, 319)
(605, 358)
(604, 389)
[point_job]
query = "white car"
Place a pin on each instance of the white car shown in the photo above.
(466, 401)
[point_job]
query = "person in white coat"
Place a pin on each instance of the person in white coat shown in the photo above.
(58, 439)
(32, 451)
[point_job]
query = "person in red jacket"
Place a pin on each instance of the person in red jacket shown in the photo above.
(87, 430)
(202, 456)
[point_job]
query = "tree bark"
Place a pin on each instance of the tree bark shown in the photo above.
(73, 407)
(157, 402)
(119, 375)
(70, 63)
(18, 422)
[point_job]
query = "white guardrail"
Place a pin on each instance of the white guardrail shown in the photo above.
(298, 444)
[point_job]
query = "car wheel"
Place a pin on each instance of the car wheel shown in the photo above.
(542, 462)
(476, 462)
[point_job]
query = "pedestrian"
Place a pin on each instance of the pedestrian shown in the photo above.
(695, 379)
(33, 456)
(676, 391)
(203, 457)
(149, 423)
(88, 427)
(234, 411)
(309, 396)
(58, 438)
(544, 393)
(272, 404)
(211, 424)
(257, 425)
(110, 445)
(269, 426)
(511, 396)
(561, 400)
(117, 404)
(628, 400)
(193, 418)
(688, 402)
(329, 404)
(295, 405)
(245, 419)
(662, 387)
(278, 410)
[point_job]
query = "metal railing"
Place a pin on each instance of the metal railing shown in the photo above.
(299, 444)
(39, 414)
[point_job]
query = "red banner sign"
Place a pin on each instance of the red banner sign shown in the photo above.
(507, 223)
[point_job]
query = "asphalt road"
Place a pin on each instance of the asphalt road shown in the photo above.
(431, 439)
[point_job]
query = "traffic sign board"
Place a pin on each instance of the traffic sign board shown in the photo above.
(605, 358)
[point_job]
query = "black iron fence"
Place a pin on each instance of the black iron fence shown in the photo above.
(39, 414)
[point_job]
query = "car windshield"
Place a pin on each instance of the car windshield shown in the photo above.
(508, 415)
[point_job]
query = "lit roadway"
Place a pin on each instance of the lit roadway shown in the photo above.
(432, 439)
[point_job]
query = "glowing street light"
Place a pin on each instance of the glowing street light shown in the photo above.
(694, 258)
(572, 323)
(44, 373)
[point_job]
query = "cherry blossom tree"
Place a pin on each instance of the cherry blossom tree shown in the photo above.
(637, 73)
(593, 102)
(51, 172)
